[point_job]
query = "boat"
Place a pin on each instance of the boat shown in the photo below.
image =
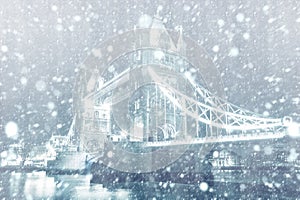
(63, 155)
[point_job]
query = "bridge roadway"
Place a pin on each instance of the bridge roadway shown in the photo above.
(219, 139)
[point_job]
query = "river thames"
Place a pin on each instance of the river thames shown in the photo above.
(39, 185)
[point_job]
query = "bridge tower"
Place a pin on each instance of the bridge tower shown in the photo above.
(153, 88)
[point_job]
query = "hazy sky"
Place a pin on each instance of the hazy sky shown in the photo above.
(255, 45)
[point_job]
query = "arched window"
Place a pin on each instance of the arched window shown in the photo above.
(96, 114)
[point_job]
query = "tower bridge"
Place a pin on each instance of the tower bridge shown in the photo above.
(154, 88)
(223, 121)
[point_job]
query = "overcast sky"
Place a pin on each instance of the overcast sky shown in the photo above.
(255, 45)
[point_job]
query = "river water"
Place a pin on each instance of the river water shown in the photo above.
(39, 185)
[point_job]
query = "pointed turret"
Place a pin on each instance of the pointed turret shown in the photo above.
(159, 34)
(181, 46)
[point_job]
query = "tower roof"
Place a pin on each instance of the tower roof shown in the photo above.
(157, 23)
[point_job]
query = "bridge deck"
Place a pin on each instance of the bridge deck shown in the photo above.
(218, 139)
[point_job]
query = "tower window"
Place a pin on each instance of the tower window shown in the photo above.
(96, 114)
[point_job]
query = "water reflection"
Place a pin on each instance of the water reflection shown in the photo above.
(34, 185)
(39, 185)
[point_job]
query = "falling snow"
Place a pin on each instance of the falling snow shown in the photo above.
(203, 186)
(4, 48)
(234, 51)
(216, 48)
(221, 22)
(40, 85)
(240, 17)
(246, 36)
(145, 21)
(11, 130)
(254, 45)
